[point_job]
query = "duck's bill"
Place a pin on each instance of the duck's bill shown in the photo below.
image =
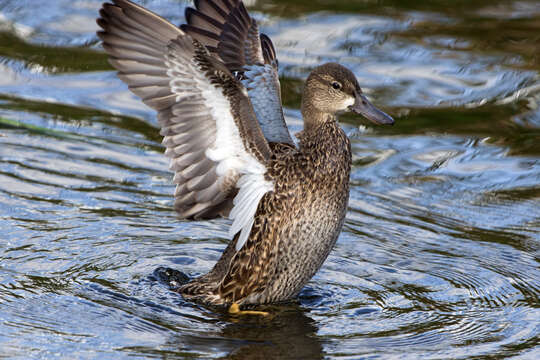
(363, 107)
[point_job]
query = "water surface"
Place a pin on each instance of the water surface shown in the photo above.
(439, 255)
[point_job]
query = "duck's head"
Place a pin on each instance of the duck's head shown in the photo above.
(331, 89)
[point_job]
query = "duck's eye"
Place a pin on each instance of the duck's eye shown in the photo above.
(336, 85)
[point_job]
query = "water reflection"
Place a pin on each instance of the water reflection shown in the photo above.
(290, 334)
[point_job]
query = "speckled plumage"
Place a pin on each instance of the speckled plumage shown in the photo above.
(214, 84)
(295, 227)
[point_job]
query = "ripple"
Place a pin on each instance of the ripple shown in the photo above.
(439, 253)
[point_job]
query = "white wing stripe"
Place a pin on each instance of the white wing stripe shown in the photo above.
(252, 189)
(227, 150)
(244, 234)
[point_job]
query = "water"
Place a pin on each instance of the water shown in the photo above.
(439, 255)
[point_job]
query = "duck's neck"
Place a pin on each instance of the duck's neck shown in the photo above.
(321, 131)
(325, 145)
(313, 117)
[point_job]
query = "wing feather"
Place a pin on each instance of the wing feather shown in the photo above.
(252, 189)
(211, 134)
(228, 32)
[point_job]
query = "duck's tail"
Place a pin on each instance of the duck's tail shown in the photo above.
(171, 277)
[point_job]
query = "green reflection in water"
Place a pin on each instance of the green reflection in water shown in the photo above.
(54, 59)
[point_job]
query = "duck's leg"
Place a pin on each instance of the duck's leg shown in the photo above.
(235, 310)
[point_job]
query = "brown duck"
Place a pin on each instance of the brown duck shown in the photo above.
(214, 82)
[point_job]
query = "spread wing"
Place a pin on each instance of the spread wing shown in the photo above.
(229, 33)
(211, 134)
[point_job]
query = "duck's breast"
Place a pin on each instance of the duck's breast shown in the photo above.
(306, 214)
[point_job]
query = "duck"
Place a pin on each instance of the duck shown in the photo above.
(215, 86)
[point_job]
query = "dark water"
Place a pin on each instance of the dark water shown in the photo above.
(439, 256)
